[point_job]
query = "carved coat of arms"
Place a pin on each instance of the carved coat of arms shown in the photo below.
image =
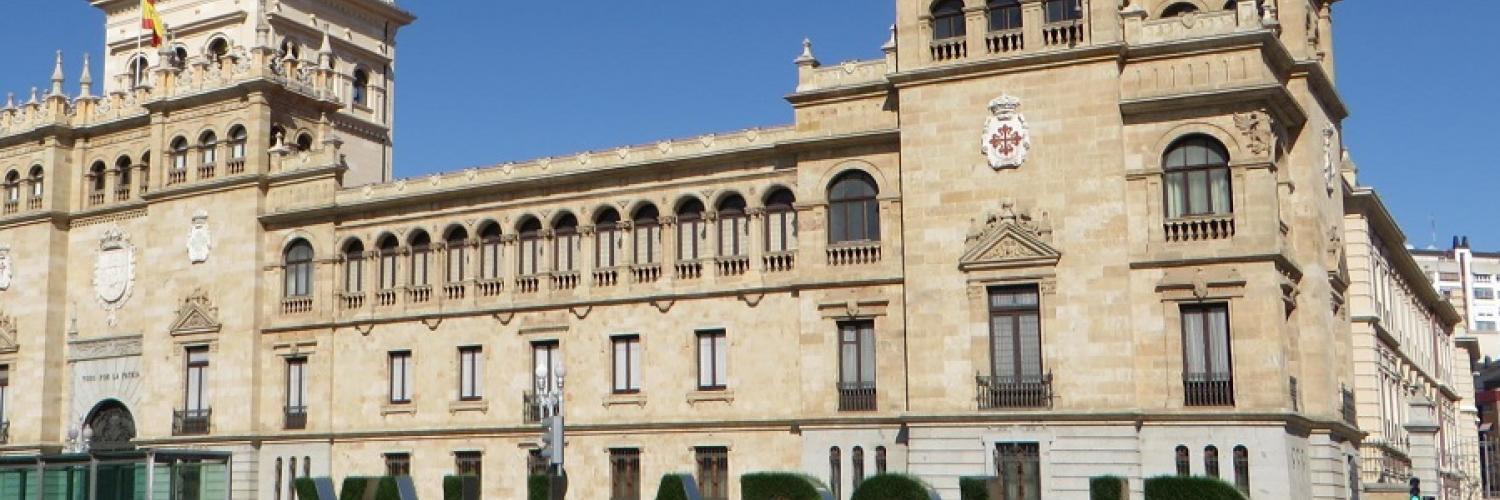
(114, 271)
(1006, 140)
(199, 241)
(5, 268)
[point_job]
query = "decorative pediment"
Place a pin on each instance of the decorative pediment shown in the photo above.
(196, 315)
(8, 334)
(1007, 240)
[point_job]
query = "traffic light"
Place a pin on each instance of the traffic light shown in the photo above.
(1416, 489)
(552, 440)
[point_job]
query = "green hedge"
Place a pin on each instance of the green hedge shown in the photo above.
(975, 487)
(306, 489)
(672, 487)
(453, 487)
(1190, 488)
(892, 487)
(1107, 488)
(354, 488)
(387, 490)
(778, 486)
(538, 488)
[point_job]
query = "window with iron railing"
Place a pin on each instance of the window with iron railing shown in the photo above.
(1208, 375)
(1018, 470)
(469, 463)
(398, 464)
(625, 474)
(1016, 378)
(857, 365)
(296, 393)
(713, 472)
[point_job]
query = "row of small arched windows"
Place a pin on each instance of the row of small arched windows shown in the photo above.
(948, 15)
(853, 213)
(13, 184)
(856, 465)
(1184, 461)
(208, 148)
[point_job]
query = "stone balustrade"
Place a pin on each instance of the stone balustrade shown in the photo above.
(1199, 228)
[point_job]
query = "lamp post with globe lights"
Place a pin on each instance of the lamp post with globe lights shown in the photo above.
(550, 400)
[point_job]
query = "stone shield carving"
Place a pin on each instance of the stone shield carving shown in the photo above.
(1006, 140)
(199, 241)
(5, 268)
(114, 271)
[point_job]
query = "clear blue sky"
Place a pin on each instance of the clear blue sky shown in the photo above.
(482, 82)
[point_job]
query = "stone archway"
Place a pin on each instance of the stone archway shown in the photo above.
(113, 426)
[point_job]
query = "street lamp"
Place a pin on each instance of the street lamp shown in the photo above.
(550, 401)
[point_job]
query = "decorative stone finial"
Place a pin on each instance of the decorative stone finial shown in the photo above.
(10, 100)
(890, 45)
(33, 96)
(86, 80)
(57, 75)
(807, 55)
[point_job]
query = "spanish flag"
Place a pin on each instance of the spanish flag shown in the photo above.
(151, 20)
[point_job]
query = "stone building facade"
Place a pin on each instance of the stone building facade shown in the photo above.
(1045, 239)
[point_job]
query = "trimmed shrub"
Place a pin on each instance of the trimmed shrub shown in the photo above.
(538, 488)
(387, 489)
(354, 488)
(306, 490)
(1190, 488)
(975, 487)
(455, 486)
(893, 487)
(672, 487)
(1107, 488)
(779, 486)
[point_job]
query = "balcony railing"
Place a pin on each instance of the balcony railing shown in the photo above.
(234, 166)
(385, 298)
(191, 422)
(606, 277)
(733, 265)
(490, 287)
(1004, 41)
(1199, 228)
(34, 203)
(1008, 391)
(175, 177)
(455, 290)
(850, 254)
(689, 269)
(1063, 33)
(856, 396)
(12, 206)
(296, 417)
(96, 198)
(1378, 465)
(122, 193)
(419, 294)
(779, 262)
(528, 284)
(949, 49)
(296, 305)
(1208, 389)
(206, 171)
(352, 300)
(531, 408)
(645, 273)
(565, 280)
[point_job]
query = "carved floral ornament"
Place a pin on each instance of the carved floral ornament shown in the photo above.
(1259, 131)
(8, 336)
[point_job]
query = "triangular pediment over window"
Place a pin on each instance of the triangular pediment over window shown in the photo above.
(1006, 240)
(196, 315)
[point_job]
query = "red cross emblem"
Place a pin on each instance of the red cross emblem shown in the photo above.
(1006, 140)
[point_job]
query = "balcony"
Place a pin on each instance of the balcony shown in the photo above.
(234, 166)
(296, 418)
(528, 284)
(1208, 389)
(385, 298)
(11, 206)
(779, 262)
(191, 422)
(645, 273)
(856, 396)
(34, 203)
(296, 305)
(455, 290)
(1004, 41)
(689, 269)
(565, 280)
(176, 176)
(352, 300)
(1199, 228)
(1012, 392)
(490, 287)
(734, 265)
(853, 253)
(607, 277)
(96, 198)
(419, 294)
(206, 171)
(949, 49)
(1063, 34)
(122, 193)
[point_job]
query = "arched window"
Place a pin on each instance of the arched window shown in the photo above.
(237, 139)
(421, 258)
(457, 241)
(354, 266)
(304, 142)
(691, 230)
(531, 246)
(734, 227)
(853, 211)
(1062, 10)
(1178, 9)
(122, 174)
(217, 49)
(835, 476)
(948, 19)
(137, 71)
(489, 251)
(1184, 461)
(1231, 4)
(1197, 178)
(1211, 461)
(96, 178)
(1004, 14)
(781, 221)
(179, 57)
(390, 251)
(646, 235)
(277, 489)
(857, 462)
(12, 188)
(1242, 469)
(361, 87)
(299, 259)
(36, 181)
(179, 154)
(565, 244)
(879, 460)
(607, 240)
(145, 170)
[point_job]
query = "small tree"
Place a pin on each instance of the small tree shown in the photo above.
(1107, 488)
(673, 487)
(1190, 488)
(306, 489)
(538, 488)
(893, 487)
(780, 486)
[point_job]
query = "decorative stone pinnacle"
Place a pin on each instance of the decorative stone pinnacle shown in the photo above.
(57, 76)
(86, 80)
(10, 100)
(33, 96)
(890, 45)
(807, 55)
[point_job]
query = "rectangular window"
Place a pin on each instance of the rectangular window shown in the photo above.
(647, 243)
(713, 357)
(470, 372)
(388, 269)
(545, 355)
(489, 258)
(1448, 276)
(1018, 469)
(1484, 293)
(197, 379)
(781, 230)
(296, 384)
(734, 233)
(627, 364)
(1208, 376)
(565, 252)
(468, 463)
(400, 377)
(1484, 326)
(1015, 334)
(398, 464)
(713, 472)
(625, 474)
(690, 234)
(354, 275)
(1063, 10)
(456, 262)
(420, 258)
(606, 247)
(857, 353)
(531, 254)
